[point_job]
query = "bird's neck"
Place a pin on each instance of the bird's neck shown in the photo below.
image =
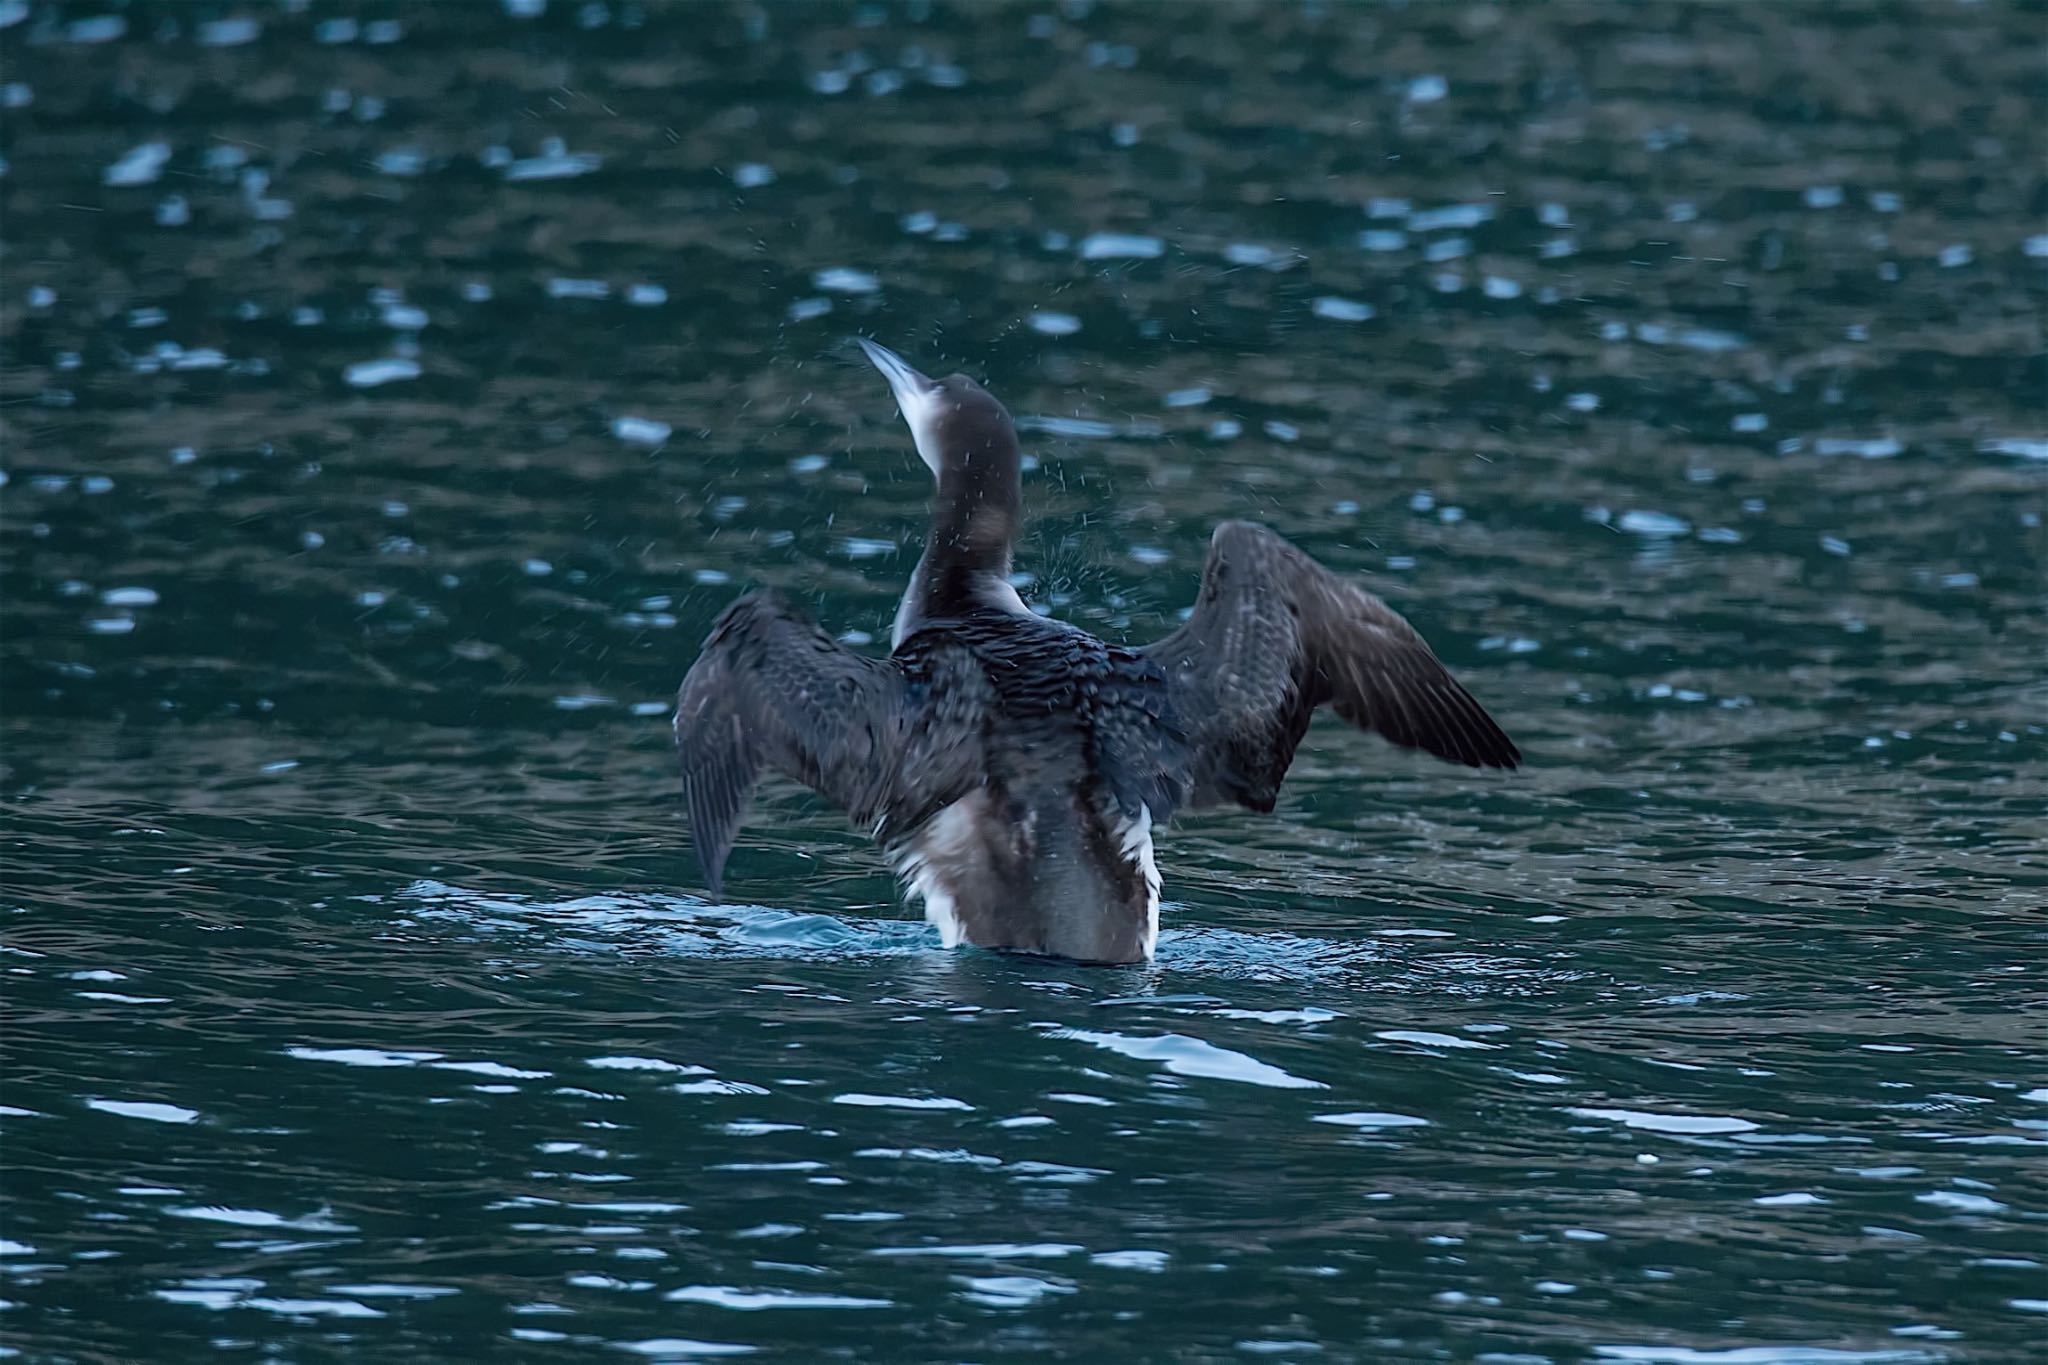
(975, 517)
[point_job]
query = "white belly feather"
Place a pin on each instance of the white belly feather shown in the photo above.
(946, 840)
(949, 843)
(1134, 837)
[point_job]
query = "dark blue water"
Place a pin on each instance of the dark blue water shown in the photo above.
(392, 396)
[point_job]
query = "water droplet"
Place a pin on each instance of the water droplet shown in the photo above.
(1342, 310)
(1112, 246)
(139, 166)
(369, 374)
(845, 280)
(1427, 89)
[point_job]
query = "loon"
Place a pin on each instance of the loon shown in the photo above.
(1014, 768)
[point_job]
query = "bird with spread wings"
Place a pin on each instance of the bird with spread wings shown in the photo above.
(1273, 636)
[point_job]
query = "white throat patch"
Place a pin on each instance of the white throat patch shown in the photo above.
(919, 400)
(921, 414)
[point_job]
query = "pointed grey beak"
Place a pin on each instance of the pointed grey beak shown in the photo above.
(903, 380)
(917, 398)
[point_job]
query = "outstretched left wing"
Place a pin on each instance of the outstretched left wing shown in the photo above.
(889, 741)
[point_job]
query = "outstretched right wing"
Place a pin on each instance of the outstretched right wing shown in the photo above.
(1273, 636)
(889, 741)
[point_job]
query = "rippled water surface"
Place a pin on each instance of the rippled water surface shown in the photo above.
(393, 394)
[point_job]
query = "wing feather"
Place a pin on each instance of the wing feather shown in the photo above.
(889, 741)
(1273, 636)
